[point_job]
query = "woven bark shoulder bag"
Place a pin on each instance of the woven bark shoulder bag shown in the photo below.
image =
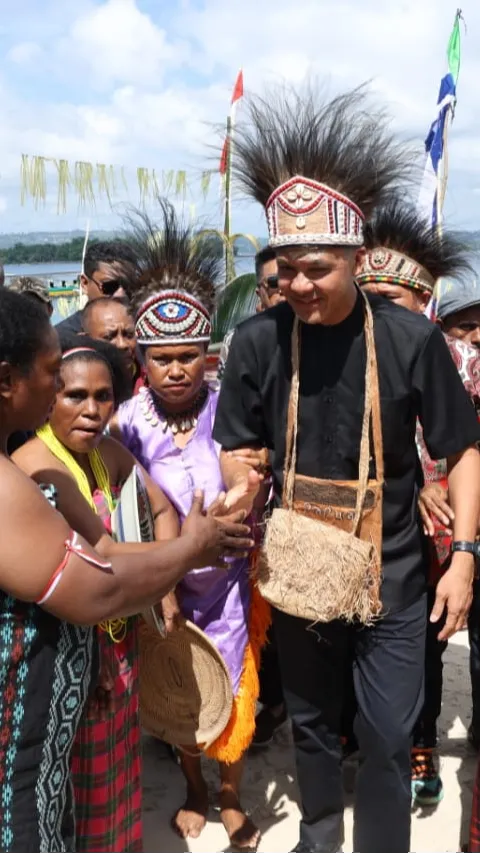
(321, 558)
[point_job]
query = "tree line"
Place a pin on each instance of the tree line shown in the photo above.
(40, 253)
(68, 252)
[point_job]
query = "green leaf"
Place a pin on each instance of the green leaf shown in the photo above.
(236, 302)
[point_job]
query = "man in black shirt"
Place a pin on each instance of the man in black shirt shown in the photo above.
(109, 269)
(318, 171)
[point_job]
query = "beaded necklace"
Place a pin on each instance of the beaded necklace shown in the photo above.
(182, 422)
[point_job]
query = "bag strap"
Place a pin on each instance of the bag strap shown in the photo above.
(371, 411)
(376, 408)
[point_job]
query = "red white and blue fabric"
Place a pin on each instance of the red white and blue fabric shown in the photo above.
(172, 317)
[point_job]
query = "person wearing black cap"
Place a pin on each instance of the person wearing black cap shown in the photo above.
(458, 314)
(458, 311)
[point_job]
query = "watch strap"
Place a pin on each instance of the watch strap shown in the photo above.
(468, 547)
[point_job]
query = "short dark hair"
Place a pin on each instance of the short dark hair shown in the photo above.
(24, 327)
(107, 252)
(95, 350)
(263, 257)
(102, 300)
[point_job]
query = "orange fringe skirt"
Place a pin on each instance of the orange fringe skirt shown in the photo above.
(237, 736)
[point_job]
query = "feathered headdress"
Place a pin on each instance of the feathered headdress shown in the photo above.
(318, 168)
(179, 271)
(404, 249)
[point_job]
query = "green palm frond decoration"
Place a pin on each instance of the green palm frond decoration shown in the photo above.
(38, 180)
(143, 178)
(92, 180)
(229, 247)
(63, 172)
(84, 184)
(113, 179)
(103, 182)
(237, 301)
(181, 184)
(205, 183)
(249, 238)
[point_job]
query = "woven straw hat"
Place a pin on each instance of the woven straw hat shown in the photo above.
(186, 695)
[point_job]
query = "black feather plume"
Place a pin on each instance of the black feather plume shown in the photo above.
(172, 256)
(344, 143)
(399, 227)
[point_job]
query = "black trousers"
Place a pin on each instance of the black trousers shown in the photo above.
(425, 732)
(271, 690)
(388, 670)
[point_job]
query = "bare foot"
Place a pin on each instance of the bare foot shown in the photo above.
(190, 820)
(242, 832)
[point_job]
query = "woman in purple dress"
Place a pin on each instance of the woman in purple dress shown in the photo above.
(168, 427)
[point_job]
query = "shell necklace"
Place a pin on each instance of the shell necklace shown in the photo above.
(182, 422)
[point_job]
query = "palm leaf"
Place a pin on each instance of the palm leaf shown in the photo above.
(254, 241)
(236, 302)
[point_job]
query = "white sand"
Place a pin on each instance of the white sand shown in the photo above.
(270, 793)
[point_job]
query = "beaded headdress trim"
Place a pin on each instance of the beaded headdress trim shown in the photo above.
(303, 211)
(172, 317)
(386, 266)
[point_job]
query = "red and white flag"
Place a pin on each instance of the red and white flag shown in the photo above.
(236, 95)
(238, 88)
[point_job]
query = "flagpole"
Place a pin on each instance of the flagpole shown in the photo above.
(229, 260)
(226, 172)
(81, 297)
(436, 145)
(442, 176)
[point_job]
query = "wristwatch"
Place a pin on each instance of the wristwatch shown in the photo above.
(468, 547)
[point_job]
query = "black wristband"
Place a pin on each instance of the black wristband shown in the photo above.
(467, 547)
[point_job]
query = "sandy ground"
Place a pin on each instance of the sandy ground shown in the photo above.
(271, 798)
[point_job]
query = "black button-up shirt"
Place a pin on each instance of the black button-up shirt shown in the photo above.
(417, 379)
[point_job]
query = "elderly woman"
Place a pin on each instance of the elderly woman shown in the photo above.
(53, 585)
(168, 427)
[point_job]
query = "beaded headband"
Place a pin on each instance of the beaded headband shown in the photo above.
(304, 212)
(387, 266)
(172, 317)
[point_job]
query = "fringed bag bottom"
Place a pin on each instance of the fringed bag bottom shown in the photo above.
(318, 572)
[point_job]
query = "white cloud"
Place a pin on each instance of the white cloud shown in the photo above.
(116, 43)
(24, 53)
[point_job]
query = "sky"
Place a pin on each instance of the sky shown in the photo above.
(147, 82)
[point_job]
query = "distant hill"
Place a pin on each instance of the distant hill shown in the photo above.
(35, 238)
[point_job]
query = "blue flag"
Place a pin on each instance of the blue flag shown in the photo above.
(433, 186)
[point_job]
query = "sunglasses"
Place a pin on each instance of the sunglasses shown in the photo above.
(111, 285)
(271, 282)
